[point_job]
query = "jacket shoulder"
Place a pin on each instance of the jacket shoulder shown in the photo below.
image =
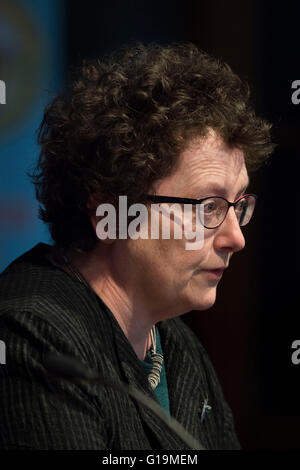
(32, 288)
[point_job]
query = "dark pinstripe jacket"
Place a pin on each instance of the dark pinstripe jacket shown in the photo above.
(43, 309)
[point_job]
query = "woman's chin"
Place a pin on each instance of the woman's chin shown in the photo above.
(204, 300)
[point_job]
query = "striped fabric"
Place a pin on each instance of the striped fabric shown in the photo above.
(43, 309)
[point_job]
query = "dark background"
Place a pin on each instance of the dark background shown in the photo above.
(249, 331)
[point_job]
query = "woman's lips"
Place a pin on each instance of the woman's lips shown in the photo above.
(214, 273)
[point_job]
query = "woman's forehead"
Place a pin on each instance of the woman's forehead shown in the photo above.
(207, 161)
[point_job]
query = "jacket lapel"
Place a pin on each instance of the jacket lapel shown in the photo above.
(185, 411)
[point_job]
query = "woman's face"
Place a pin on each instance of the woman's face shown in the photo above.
(172, 279)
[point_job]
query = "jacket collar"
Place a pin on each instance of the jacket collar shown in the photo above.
(175, 355)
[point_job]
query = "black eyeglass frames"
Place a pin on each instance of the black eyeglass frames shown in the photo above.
(215, 208)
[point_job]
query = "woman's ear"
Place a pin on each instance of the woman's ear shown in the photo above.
(91, 206)
(94, 201)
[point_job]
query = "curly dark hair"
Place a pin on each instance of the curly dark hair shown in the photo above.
(122, 124)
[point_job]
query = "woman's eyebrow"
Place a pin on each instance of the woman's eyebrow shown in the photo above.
(216, 188)
(243, 190)
(246, 185)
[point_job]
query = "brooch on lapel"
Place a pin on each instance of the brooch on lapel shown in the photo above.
(205, 408)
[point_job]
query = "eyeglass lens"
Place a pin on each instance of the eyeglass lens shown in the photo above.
(213, 211)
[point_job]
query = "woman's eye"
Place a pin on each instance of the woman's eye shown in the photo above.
(241, 206)
(209, 207)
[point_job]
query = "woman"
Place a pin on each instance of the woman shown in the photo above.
(158, 125)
